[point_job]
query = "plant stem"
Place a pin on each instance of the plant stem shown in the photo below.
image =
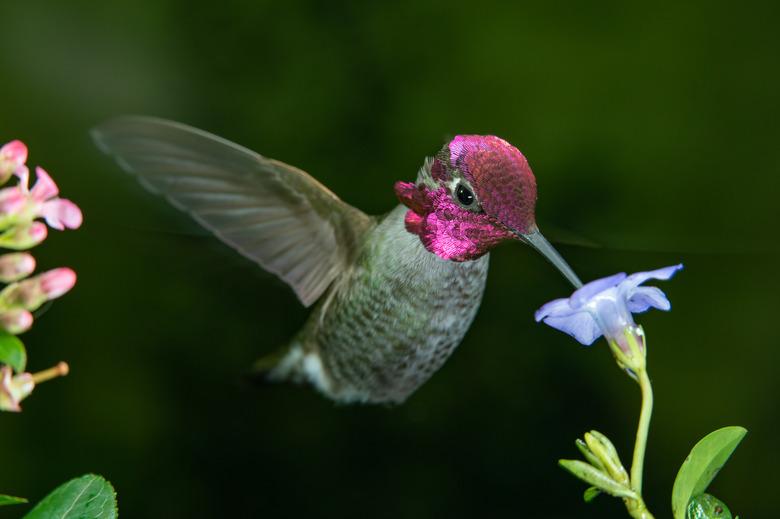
(637, 464)
(637, 508)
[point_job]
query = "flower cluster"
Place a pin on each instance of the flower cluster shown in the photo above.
(21, 207)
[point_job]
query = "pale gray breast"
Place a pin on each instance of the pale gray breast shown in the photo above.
(393, 320)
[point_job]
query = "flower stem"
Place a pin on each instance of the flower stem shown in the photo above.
(641, 434)
(637, 508)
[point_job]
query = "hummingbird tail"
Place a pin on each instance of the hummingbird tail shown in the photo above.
(294, 364)
(265, 369)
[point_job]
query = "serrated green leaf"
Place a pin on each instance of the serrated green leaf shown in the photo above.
(593, 476)
(12, 351)
(88, 496)
(590, 494)
(702, 465)
(11, 500)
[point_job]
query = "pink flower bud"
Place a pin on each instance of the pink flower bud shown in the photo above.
(37, 232)
(24, 236)
(14, 152)
(57, 282)
(14, 389)
(12, 158)
(15, 266)
(16, 321)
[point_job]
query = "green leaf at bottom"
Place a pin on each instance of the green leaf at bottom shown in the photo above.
(702, 465)
(89, 496)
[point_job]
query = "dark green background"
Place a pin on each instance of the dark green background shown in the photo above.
(653, 131)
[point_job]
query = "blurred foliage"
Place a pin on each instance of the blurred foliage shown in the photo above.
(652, 131)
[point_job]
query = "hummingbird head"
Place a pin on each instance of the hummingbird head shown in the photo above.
(475, 193)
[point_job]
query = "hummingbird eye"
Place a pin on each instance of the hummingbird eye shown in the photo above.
(464, 194)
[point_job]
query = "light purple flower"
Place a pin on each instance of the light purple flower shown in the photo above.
(605, 306)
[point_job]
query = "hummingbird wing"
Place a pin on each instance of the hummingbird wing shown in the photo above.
(272, 213)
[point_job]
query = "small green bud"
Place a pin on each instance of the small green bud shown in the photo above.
(603, 449)
(589, 456)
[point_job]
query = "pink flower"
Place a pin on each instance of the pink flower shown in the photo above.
(20, 204)
(12, 201)
(13, 155)
(14, 389)
(59, 213)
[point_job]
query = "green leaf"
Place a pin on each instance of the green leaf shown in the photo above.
(89, 496)
(590, 494)
(12, 351)
(11, 500)
(595, 477)
(702, 465)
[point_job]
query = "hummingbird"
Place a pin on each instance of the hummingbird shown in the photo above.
(393, 295)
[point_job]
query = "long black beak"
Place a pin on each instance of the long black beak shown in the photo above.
(540, 243)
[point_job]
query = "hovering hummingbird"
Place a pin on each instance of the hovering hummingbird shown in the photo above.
(394, 294)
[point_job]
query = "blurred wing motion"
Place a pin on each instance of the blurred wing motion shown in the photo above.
(272, 213)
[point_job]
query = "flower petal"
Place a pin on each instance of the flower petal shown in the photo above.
(584, 294)
(44, 187)
(12, 201)
(23, 174)
(15, 152)
(637, 279)
(60, 213)
(644, 298)
(556, 308)
(579, 325)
